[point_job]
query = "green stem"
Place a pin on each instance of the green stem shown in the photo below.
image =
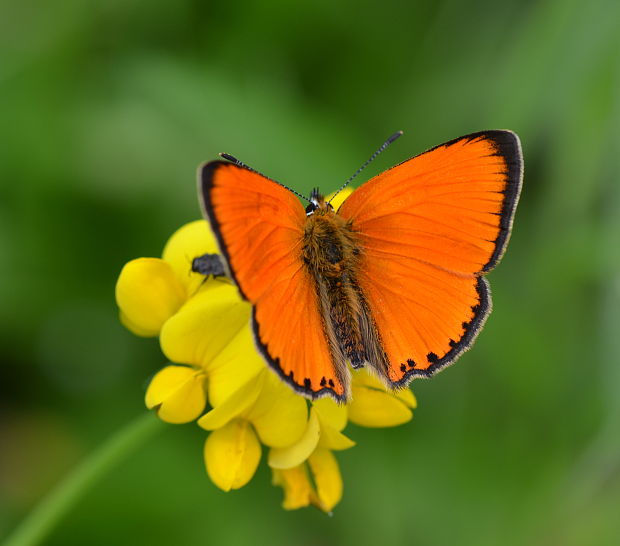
(67, 493)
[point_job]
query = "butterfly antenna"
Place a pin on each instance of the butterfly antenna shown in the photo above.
(369, 160)
(234, 160)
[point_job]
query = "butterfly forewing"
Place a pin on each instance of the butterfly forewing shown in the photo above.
(259, 226)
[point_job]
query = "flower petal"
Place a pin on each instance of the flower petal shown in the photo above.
(237, 363)
(205, 325)
(296, 485)
(327, 478)
(365, 378)
(280, 415)
(288, 457)
(232, 454)
(148, 294)
(331, 412)
(371, 407)
(177, 393)
(406, 397)
(339, 197)
(189, 242)
(234, 405)
(212, 331)
(134, 328)
(332, 438)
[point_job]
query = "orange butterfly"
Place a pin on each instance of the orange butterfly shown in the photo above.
(393, 280)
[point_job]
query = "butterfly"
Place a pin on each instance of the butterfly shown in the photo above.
(393, 280)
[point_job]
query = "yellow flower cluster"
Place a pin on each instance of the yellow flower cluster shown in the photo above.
(219, 379)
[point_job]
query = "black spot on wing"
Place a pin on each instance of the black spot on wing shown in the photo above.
(432, 358)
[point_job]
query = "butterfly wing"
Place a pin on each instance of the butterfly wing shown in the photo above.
(259, 227)
(429, 229)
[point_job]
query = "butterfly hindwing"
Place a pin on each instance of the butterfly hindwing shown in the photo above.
(429, 229)
(259, 227)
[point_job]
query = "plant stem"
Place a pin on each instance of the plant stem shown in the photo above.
(41, 520)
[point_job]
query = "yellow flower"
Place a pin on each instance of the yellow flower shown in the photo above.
(372, 405)
(212, 332)
(232, 454)
(203, 324)
(337, 198)
(203, 329)
(307, 471)
(317, 482)
(177, 394)
(150, 290)
(264, 409)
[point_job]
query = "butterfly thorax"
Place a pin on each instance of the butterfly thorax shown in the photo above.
(330, 248)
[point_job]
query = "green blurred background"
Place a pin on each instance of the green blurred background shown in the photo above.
(106, 111)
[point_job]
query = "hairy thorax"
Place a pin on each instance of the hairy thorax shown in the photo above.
(330, 248)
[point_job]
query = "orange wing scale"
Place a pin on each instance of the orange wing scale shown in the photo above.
(429, 228)
(259, 227)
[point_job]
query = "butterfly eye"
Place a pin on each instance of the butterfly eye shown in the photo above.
(311, 208)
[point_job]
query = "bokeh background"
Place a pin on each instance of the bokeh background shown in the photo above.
(106, 111)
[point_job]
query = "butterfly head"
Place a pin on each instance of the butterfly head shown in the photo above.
(318, 204)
